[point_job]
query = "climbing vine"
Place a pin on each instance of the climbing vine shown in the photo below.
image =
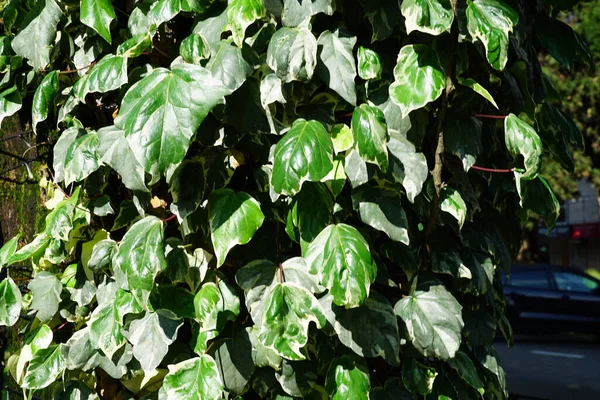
(278, 198)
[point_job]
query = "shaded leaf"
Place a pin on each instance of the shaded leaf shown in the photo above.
(194, 379)
(337, 67)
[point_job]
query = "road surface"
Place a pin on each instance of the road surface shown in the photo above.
(552, 370)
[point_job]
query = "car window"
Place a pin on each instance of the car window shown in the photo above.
(530, 279)
(574, 283)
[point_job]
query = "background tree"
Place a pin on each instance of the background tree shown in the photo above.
(278, 198)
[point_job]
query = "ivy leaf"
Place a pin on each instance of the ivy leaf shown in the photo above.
(194, 49)
(194, 379)
(10, 102)
(341, 257)
(8, 250)
(234, 359)
(384, 16)
(463, 364)
(418, 378)
(79, 351)
(433, 321)
(135, 46)
(488, 357)
(240, 14)
(44, 368)
(311, 212)
(370, 330)
(348, 377)
(43, 98)
(34, 40)
(369, 64)
(381, 209)
(419, 78)
(292, 53)
(490, 21)
(305, 153)
(558, 133)
(463, 139)
(10, 302)
(537, 196)
(151, 337)
(114, 151)
(370, 135)
(337, 67)
(234, 219)
(82, 158)
(522, 139)
(429, 16)
(392, 390)
(98, 14)
(561, 41)
(110, 73)
(449, 262)
(408, 167)
(228, 66)
(105, 331)
(141, 256)
(45, 290)
(477, 88)
(161, 113)
(289, 309)
(215, 305)
(295, 12)
(452, 203)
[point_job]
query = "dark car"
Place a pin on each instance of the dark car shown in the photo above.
(551, 299)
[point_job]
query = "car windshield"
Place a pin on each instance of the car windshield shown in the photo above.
(537, 279)
(571, 282)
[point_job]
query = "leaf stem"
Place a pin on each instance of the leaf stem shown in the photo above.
(492, 169)
(489, 116)
(169, 218)
(72, 71)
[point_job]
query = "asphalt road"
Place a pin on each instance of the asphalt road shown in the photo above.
(552, 370)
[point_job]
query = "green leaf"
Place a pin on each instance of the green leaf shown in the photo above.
(10, 103)
(240, 14)
(141, 256)
(488, 357)
(463, 139)
(480, 327)
(522, 139)
(463, 364)
(234, 359)
(38, 31)
(384, 16)
(135, 46)
(106, 332)
(381, 209)
(151, 337)
(234, 219)
(393, 390)
(430, 16)
(477, 88)
(43, 98)
(79, 351)
(342, 138)
(337, 67)
(348, 378)
(433, 321)
(341, 257)
(369, 64)
(558, 133)
(419, 78)
(289, 309)
(8, 250)
(82, 158)
(537, 196)
(161, 113)
(174, 298)
(110, 73)
(407, 166)
(194, 379)
(449, 262)
(312, 211)
(490, 21)
(215, 305)
(370, 135)
(228, 66)
(44, 368)
(292, 53)
(114, 151)
(305, 153)
(452, 203)
(45, 290)
(194, 49)
(418, 378)
(297, 378)
(40, 242)
(370, 330)
(562, 42)
(98, 14)
(296, 12)
(10, 302)
(60, 151)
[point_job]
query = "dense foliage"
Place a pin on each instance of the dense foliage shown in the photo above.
(278, 198)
